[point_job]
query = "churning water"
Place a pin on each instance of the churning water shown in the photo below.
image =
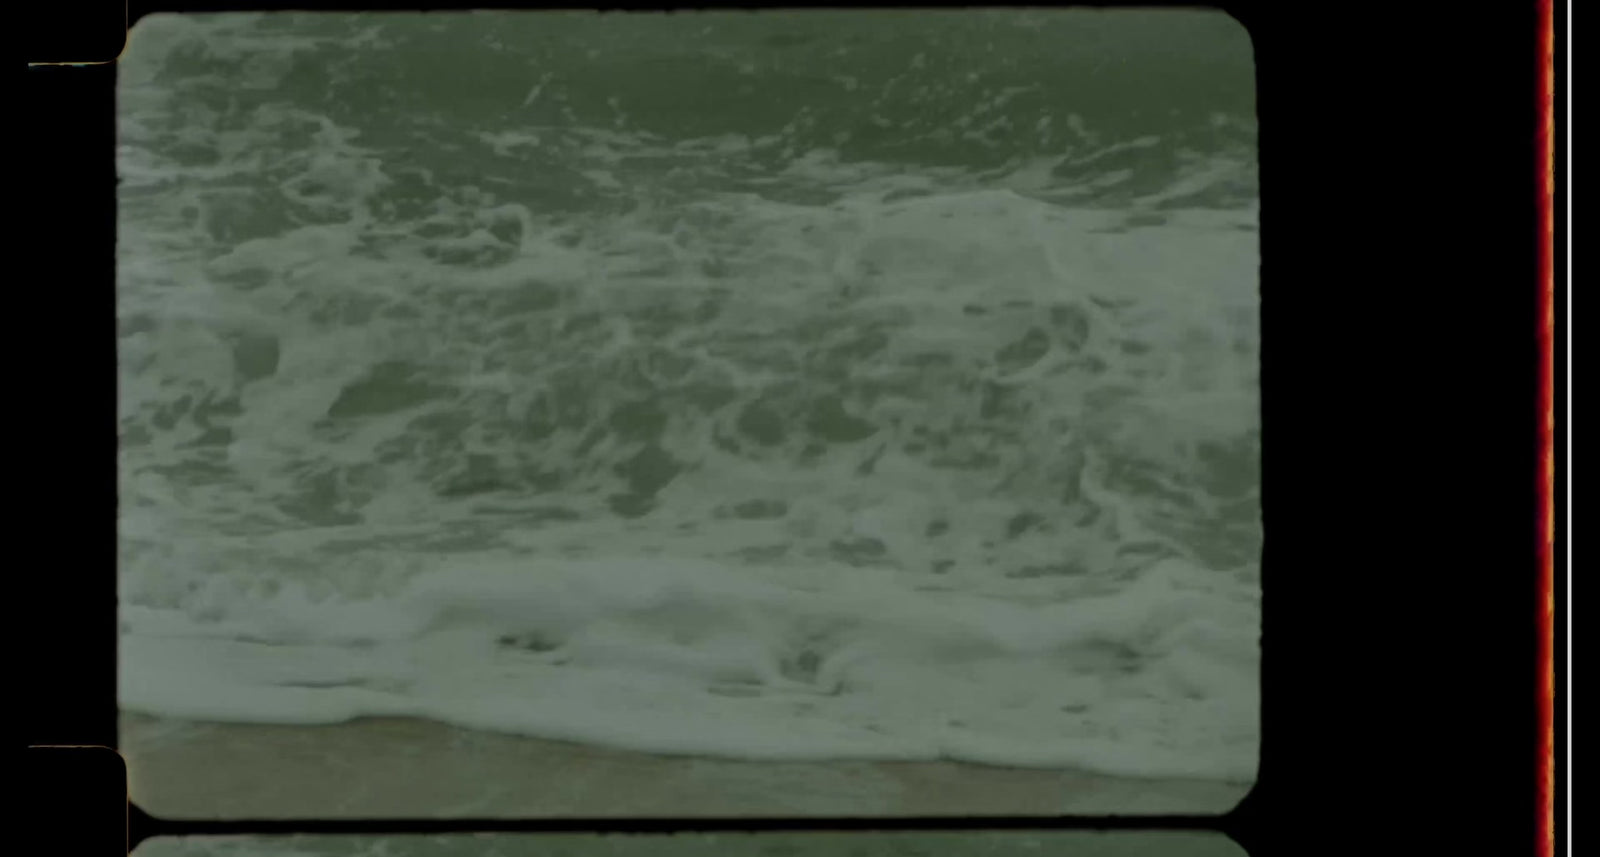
(800, 385)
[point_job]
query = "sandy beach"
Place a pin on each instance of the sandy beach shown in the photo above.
(398, 768)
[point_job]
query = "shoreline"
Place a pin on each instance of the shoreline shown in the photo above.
(409, 768)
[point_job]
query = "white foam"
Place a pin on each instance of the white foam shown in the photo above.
(286, 558)
(693, 657)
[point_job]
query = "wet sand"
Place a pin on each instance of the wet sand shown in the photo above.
(399, 768)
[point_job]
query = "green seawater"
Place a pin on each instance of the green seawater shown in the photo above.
(962, 300)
